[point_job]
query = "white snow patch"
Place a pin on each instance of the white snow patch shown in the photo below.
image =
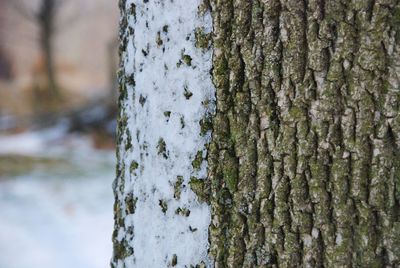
(33, 142)
(339, 239)
(161, 78)
(45, 223)
(307, 240)
(315, 233)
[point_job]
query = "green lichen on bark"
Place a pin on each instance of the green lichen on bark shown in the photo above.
(187, 93)
(167, 114)
(121, 247)
(134, 166)
(159, 41)
(162, 148)
(187, 59)
(182, 212)
(205, 125)
(198, 160)
(201, 265)
(130, 203)
(303, 162)
(203, 39)
(200, 188)
(164, 205)
(178, 187)
(174, 260)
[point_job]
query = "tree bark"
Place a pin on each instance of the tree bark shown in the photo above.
(165, 92)
(303, 165)
(304, 161)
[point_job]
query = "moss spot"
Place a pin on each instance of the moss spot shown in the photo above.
(142, 100)
(199, 187)
(187, 93)
(200, 265)
(162, 148)
(132, 10)
(192, 229)
(131, 30)
(130, 80)
(177, 187)
(134, 166)
(123, 93)
(159, 41)
(130, 202)
(128, 144)
(205, 125)
(167, 114)
(202, 39)
(165, 28)
(196, 163)
(187, 59)
(121, 250)
(182, 120)
(163, 204)
(182, 211)
(203, 7)
(174, 260)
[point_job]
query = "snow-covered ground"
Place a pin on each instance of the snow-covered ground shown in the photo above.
(61, 215)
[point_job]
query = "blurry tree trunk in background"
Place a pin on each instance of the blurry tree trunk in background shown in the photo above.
(5, 66)
(304, 161)
(46, 22)
(5, 63)
(45, 19)
(112, 58)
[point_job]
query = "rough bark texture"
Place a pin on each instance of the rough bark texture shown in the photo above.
(304, 166)
(304, 162)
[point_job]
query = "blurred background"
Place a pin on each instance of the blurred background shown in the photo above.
(58, 62)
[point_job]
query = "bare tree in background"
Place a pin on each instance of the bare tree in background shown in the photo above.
(5, 64)
(112, 62)
(44, 17)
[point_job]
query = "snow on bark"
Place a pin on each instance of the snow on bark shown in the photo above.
(166, 90)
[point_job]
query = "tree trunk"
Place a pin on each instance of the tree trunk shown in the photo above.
(303, 165)
(165, 91)
(46, 23)
(47, 49)
(112, 64)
